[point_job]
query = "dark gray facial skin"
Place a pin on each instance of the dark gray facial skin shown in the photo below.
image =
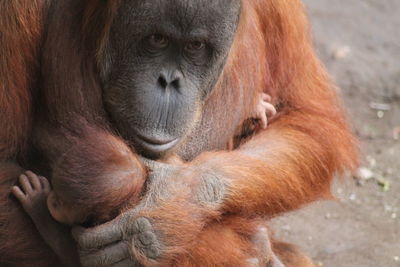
(163, 59)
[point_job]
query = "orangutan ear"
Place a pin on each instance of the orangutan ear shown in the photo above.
(55, 207)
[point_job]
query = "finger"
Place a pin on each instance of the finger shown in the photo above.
(266, 97)
(127, 263)
(18, 193)
(107, 256)
(269, 109)
(98, 236)
(25, 184)
(264, 121)
(35, 182)
(45, 183)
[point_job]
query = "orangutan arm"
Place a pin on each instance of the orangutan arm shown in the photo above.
(286, 166)
(290, 164)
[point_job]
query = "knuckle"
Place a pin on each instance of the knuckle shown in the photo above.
(83, 243)
(79, 236)
(136, 226)
(147, 238)
(142, 224)
(90, 261)
(153, 252)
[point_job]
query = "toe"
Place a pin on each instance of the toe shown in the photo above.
(270, 109)
(266, 97)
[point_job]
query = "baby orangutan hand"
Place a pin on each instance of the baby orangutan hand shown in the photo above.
(32, 193)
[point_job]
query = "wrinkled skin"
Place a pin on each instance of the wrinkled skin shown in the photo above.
(137, 233)
(155, 76)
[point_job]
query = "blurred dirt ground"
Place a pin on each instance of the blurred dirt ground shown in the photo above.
(359, 42)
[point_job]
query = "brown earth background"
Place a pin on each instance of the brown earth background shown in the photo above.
(359, 42)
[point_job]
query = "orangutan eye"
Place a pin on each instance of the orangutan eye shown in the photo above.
(158, 41)
(194, 46)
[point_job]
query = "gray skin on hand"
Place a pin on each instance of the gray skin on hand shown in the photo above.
(118, 241)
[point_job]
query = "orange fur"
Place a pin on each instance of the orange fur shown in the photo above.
(21, 244)
(283, 168)
(225, 243)
(114, 180)
(293, 162)
(21, 29)
(291, 255)
(309, 142)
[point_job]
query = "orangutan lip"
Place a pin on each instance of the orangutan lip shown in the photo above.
(157, 144)
(156, 141)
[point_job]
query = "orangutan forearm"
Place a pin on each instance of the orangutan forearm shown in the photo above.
(280, 169)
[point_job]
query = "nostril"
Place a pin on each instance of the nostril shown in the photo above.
(176, 83)
(171, 79)
(162, 82)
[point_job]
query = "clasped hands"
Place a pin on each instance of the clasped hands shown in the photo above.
(179, 200)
